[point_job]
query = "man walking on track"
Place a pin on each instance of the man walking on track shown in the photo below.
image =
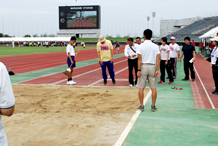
(130, 52)
(174, 55)
(148, 68)
(7, 101)
(71, 59)
(105, 55)
(188, 51)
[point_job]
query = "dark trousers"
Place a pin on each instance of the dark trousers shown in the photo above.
(189, 66)
(164, 67)
(173, 62)
(133, 64)
(215, 76)
(110, 67)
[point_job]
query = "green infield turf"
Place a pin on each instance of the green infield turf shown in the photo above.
(9, 51)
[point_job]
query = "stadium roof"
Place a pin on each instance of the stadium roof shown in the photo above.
(34, 39)
(210, 34)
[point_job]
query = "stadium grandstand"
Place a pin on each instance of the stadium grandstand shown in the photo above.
(194, 30)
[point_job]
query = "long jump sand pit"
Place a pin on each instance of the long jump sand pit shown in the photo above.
(69, 115)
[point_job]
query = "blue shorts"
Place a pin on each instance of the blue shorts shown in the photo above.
(69, 62)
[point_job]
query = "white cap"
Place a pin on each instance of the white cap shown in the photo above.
(214, 39)
(173, 38)
(101, 38)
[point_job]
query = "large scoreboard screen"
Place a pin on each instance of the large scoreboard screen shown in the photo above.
(79, 17)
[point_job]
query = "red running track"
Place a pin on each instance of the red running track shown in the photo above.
(204, 70)
(82, 23)
(32, 62)
(85, 76)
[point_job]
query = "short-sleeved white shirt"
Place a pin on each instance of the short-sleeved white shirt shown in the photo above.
(148, 50)
(70, 50)
(7, 99)
(174, 48)
(164, 50)
(214, 55)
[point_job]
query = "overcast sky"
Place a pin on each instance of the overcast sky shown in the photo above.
(118, 17)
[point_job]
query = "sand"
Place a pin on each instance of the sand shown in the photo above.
(69, 115)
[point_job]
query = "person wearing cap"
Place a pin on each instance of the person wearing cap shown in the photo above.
(105, 55)
(188, 51)
(130, 53)
(214, 62)
(174, 55)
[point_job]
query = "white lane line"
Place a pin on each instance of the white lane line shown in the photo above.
(84, 73)
(131, 123)
(211, 103)
(98, 81)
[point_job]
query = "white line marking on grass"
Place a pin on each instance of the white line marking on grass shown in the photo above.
(84, 73)
(211, 103)
(98, 81)
(131, 123)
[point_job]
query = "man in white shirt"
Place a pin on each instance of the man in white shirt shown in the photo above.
(148, 68)
(214, 62)
(71, 59)
(130, 53)
(174, 55)
(138, 40)
(7, 101)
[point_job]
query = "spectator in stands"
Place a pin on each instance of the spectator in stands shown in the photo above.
(130, 53)
(214, 62)
(165, 62)
(193, 43)
(46, 44)
(188, 51)
(117, 46)
(174, 55)
(138, 40)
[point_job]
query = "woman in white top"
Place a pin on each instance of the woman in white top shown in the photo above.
(164, 62)
(214, 62)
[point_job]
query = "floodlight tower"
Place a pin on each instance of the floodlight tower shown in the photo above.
(153, 15)
(148, 19)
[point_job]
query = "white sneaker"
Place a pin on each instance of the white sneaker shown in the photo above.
(130, 85)
(71, 82)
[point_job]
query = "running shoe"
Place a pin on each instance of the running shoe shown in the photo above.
(185, 79)
(141, 108)
(170, 82)
(113, 81)
(71, 82)
(153, 108)
(130, 85)
(105, 82)
(214, 93)
(161, 82)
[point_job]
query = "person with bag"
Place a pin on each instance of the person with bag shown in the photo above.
(130, 53)
(165, 62)
(214, 62)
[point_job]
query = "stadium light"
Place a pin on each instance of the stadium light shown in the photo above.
(153, 15)
(148, 19)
